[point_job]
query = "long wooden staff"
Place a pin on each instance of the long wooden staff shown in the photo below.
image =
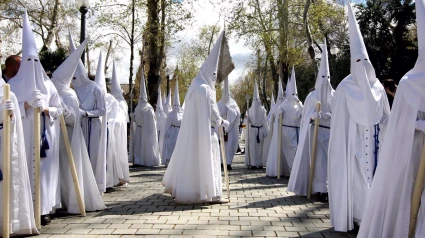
(279, 144)
(6, 164)
(313, 153)
(416, 196)
(37, 191)
(72, 166)
(223, 156)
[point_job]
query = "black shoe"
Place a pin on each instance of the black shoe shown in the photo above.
(229, 167)
(238, 150)
(260, 167)
(45, 220)
(253, 167)
(243, 152)
(323, 197)
(136, 166)
(110, 190)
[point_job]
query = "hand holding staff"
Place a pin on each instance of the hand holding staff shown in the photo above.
(6, 164)
(313, 153)
(417, 194)
(279, 144)
(223, 156)
(72, 167)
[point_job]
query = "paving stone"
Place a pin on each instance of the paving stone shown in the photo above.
(259, 207)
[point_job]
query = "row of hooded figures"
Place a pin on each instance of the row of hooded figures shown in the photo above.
(365, 157)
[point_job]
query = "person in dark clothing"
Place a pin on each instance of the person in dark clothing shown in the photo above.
(12, 63)
(390, 88)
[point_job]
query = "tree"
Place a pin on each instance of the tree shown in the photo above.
(386, 27)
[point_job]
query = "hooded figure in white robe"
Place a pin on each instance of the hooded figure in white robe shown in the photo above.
(168, 108)
(30, 81)
(172, 127)
(387, 213)
(120, 121)
(146, 149)
(272, 117)
(93, 106)
(117, 92)
(161, 118)
(323, 93)
(61, 78)
(22, 220)
(114, 140)
(257, 131)
(291, 108)
(359, 112)
(229, 110)
(193, 174)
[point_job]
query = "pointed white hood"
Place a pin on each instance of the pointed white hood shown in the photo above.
(31, 75)
(280, 96)
(143, 104)
(100, 73)
(324, 90)
(116, 90)
(273, 103)
(81, 77)
(364, 92)
(291, 87)
(62, 76)
(143, 95)
(176, 102)
(164, 100)
(225, 96)
(209, 68)
(414, 80)
(159, 100)
(256, 111)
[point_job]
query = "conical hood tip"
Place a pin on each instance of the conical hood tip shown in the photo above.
(29, 47)
(256, 93)
(67, 69)
(159, 100)
(176, 94)
(357, 46)
(100, 73)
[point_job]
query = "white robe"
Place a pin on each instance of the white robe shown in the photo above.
(387, 213)
(258, 128)
(161, 119)
(88, 187)
(232, 114)
(92, 100)
(193, 174)
(146, 150)
(49, 166)
(21, 203)
(351, 159)
(298, 181)
(292, 111)
(171, 132)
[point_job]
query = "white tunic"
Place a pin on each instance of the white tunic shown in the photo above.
(193, 174)
(21, 203)
(90, 193)
(171, 132)
(292, 110)
(257, 131)
(92, 100)
(146, 150)
(351, 158)
(232, 114)
(298, 181)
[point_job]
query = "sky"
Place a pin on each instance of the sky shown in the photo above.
(204, 14)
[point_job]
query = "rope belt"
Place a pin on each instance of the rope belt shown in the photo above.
(327, 127)
(258, 132)
(175, 126)
(297, 128)
(376, 136)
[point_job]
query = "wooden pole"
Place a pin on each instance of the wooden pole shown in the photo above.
(37, 190)
(279, 144)
(416, 196)
(72, 166)
(6, 164)
(223, 156)
(313, 153)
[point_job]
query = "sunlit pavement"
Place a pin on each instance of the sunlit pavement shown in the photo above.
(259, 206)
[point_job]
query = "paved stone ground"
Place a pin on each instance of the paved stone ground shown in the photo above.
(260, 207)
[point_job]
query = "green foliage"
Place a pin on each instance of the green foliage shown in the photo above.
(50, 60)
(387, 29)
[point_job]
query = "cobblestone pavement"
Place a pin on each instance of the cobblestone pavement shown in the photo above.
(259, 207)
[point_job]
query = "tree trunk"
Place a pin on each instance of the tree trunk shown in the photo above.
(108, 53)
(308, 35)
(130, 78)
(51, 30)
(156, 41)
(283, 40)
